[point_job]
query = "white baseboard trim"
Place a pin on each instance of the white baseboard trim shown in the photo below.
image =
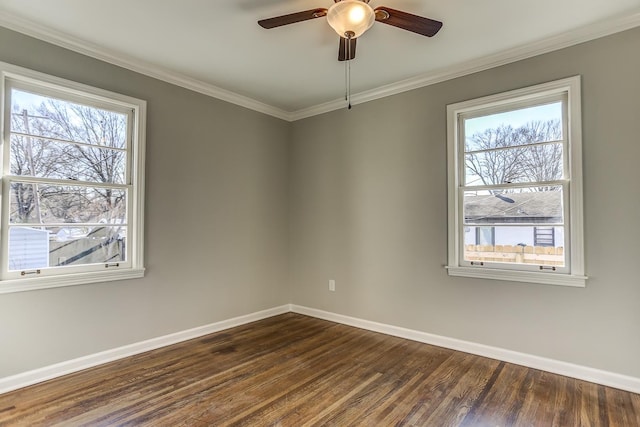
(28, 378)
(597, 376)
(585, 373)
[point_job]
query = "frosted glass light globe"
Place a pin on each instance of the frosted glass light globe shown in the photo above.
(351, 16)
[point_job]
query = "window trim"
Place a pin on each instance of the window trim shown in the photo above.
(134, 267)
(575, 221)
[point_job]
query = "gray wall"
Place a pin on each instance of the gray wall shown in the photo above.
(369, 209)
(356, 196)
(216, 218)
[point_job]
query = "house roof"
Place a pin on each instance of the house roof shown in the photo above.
(535, 206)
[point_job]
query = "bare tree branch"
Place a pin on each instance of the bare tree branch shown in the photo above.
(505, 155)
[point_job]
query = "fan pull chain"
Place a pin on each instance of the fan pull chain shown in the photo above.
(348, 69)
(349, 86)
(346, 72)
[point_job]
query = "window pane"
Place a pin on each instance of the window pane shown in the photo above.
(36, 248)
(514, 206)
(534, 163)
(49, 117)
(517, 245)
(541, 123)
(47, 204)
(31, 156)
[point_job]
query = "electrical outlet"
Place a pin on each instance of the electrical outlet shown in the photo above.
(332, 285)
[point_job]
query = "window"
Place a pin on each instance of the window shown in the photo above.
(515, 186)
(544, 236)
(72, 183)
(485, 236)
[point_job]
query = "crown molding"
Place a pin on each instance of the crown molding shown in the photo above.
(550, 44)
(66, 41)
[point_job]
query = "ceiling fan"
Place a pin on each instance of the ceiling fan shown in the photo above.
(351, 18)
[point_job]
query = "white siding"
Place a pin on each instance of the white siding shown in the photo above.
(28, 248)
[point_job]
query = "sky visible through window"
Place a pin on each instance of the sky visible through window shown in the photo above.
(514, 118)
(25, 100)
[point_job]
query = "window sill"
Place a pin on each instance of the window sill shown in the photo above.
(557, 279)
(34, 283)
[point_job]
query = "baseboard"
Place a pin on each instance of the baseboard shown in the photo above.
(28, 378)
(597, 376)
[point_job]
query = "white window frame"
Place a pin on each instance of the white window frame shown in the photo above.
(133, 267)
(573, 273)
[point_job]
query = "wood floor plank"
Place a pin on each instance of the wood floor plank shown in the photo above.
(294, 370)
(463, 395)
(621, 409)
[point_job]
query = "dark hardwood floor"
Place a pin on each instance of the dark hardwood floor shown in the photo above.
(293, 370)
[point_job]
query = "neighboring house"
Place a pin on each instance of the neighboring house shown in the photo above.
(28, 248)
(495, 219)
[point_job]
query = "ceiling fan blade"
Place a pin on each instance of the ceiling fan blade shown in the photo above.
(292, 18)
(347, 49)
(407, 21)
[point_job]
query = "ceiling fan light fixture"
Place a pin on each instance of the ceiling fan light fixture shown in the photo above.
(351, 18)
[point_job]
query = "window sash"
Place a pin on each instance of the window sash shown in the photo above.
(511, 147)
(11, 179)
(461, 223)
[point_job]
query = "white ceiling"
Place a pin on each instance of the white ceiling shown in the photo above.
(216, 46)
